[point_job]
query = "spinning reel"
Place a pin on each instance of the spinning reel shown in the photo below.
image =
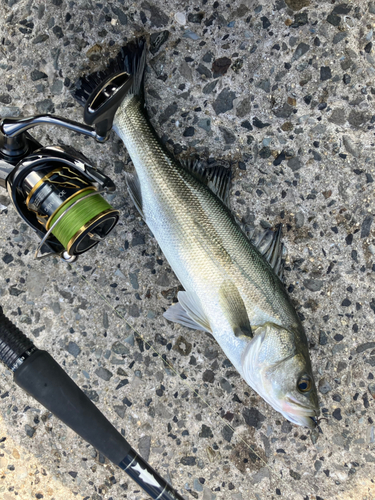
(55, 189)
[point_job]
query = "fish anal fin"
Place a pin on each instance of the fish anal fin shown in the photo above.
(234, 309)
(269, 244)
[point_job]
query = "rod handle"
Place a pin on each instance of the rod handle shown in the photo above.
(44, 379)
(37, 373)
(15, 347)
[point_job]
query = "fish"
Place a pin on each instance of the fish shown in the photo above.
(232, 283)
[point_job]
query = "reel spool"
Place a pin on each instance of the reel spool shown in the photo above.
(69, 206)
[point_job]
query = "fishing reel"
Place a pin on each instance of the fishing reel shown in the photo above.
(55, 189)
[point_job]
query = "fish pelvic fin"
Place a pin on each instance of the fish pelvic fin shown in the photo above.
(234, 309)
(130, 61)
(188, 312)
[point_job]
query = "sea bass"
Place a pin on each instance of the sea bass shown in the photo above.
(231, 290)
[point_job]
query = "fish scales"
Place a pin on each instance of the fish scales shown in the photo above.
(195, 231)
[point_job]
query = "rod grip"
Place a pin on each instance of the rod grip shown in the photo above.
(37, 373)
(13, 343)
(43, 378)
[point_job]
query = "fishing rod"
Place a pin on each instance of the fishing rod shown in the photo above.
(56, 189)
(57, 192)
(37, 373)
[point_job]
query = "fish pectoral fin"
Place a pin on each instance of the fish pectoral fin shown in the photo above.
(134, 187)
(234, 309)
(188, 312)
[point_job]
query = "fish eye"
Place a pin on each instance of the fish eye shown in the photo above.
(304, 383)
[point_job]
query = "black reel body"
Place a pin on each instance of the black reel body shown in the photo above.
(52, 183)
(55, 189)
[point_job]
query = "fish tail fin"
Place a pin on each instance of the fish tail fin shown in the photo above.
(131, 59)
(102, 92)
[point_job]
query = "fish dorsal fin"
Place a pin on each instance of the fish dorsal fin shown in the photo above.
(269, 244)
(215, 175)
(234, 309)
(188, 312)
(134, 187)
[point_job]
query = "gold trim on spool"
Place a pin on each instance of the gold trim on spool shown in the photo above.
(87, 225)
(66, 201)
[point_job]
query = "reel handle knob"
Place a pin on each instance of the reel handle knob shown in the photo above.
(103, 102)
(13, 146)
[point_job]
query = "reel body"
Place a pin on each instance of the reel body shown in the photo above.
(55, 189)
(58, 182)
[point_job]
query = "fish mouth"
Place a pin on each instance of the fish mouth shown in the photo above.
(295, 406)
(298, 413)
(294, 411)
(302, 420)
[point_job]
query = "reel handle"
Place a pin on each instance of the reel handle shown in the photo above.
(13, 138)
(103, 102)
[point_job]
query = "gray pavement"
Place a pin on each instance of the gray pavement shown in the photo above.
(286, 96)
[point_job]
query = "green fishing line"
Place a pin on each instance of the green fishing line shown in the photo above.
(78, 216)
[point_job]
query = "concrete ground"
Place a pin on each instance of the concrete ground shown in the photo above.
(285, 92)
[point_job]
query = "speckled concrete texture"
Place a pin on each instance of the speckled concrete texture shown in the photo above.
(285, 93)
(23, 477)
